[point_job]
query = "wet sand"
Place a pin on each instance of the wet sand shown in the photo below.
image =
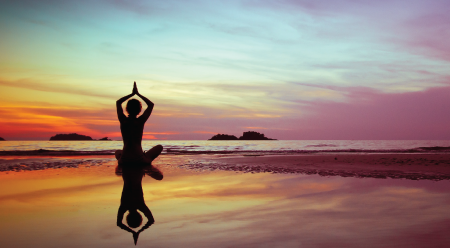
(77, 207)
(30, 163)
(414, 166)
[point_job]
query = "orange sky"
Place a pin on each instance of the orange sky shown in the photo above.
(289, 69)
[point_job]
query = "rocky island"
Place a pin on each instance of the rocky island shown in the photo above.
(250, 135)
(2, 139)
(223, 137)
(70, 136)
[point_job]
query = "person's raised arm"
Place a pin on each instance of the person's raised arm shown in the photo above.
(150, 220)
(120, 215)
(120, 224)
(119, 102)
(148, 110)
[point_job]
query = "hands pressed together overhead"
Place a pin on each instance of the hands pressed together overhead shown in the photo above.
(135, 90)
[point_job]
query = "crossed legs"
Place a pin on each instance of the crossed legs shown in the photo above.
(154, 152)
(150, 154)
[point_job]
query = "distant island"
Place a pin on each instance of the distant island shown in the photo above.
(106, 138)
(2, 139)
(250, 135)
(224, 137)
(70, 136)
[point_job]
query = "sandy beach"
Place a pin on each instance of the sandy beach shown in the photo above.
(415, 166)
(73, 202)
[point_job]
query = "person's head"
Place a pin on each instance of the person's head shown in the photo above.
(134, 219)
(134, 107)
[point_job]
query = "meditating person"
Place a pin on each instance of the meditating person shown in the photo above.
(134, 164)
(132, 128)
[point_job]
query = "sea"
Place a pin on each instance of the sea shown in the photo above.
(242, 146)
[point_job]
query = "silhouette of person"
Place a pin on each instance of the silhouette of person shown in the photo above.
(132, 198)
(132, 128)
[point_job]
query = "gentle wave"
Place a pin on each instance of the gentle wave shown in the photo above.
(322, 145)
(207, 147)
(226, 145)
(182, 151)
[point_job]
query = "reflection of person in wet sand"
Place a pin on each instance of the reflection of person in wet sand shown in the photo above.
(133, 198)
(132, 128)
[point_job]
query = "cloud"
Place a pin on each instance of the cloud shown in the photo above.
(370, 114)
(54, 86)
(301, 69)
(363, 113)
(161, 133)
(42, 122)
(144, 8)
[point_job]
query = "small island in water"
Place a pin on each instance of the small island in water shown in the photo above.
(2, 139)
(250, 135)
(75, 136)
(224, 137)
(70, 136)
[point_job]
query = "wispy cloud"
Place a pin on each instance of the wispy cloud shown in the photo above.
(54, 86)
(224, 66)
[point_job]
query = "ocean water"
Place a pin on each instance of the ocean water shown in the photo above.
(200, 146)
(77, 207)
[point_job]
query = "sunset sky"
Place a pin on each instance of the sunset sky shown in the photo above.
(292, 69)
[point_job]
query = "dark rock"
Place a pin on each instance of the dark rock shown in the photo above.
(251, 135)
(223, 137)
(70, 136)
(2, 139)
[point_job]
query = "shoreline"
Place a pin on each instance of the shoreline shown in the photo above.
(435, 166)
(171, 151)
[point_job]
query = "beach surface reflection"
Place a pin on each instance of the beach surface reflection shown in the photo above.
(77, 207)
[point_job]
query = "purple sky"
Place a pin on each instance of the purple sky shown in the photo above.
(289, 69)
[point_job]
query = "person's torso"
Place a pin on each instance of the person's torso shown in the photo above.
(132, 130)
